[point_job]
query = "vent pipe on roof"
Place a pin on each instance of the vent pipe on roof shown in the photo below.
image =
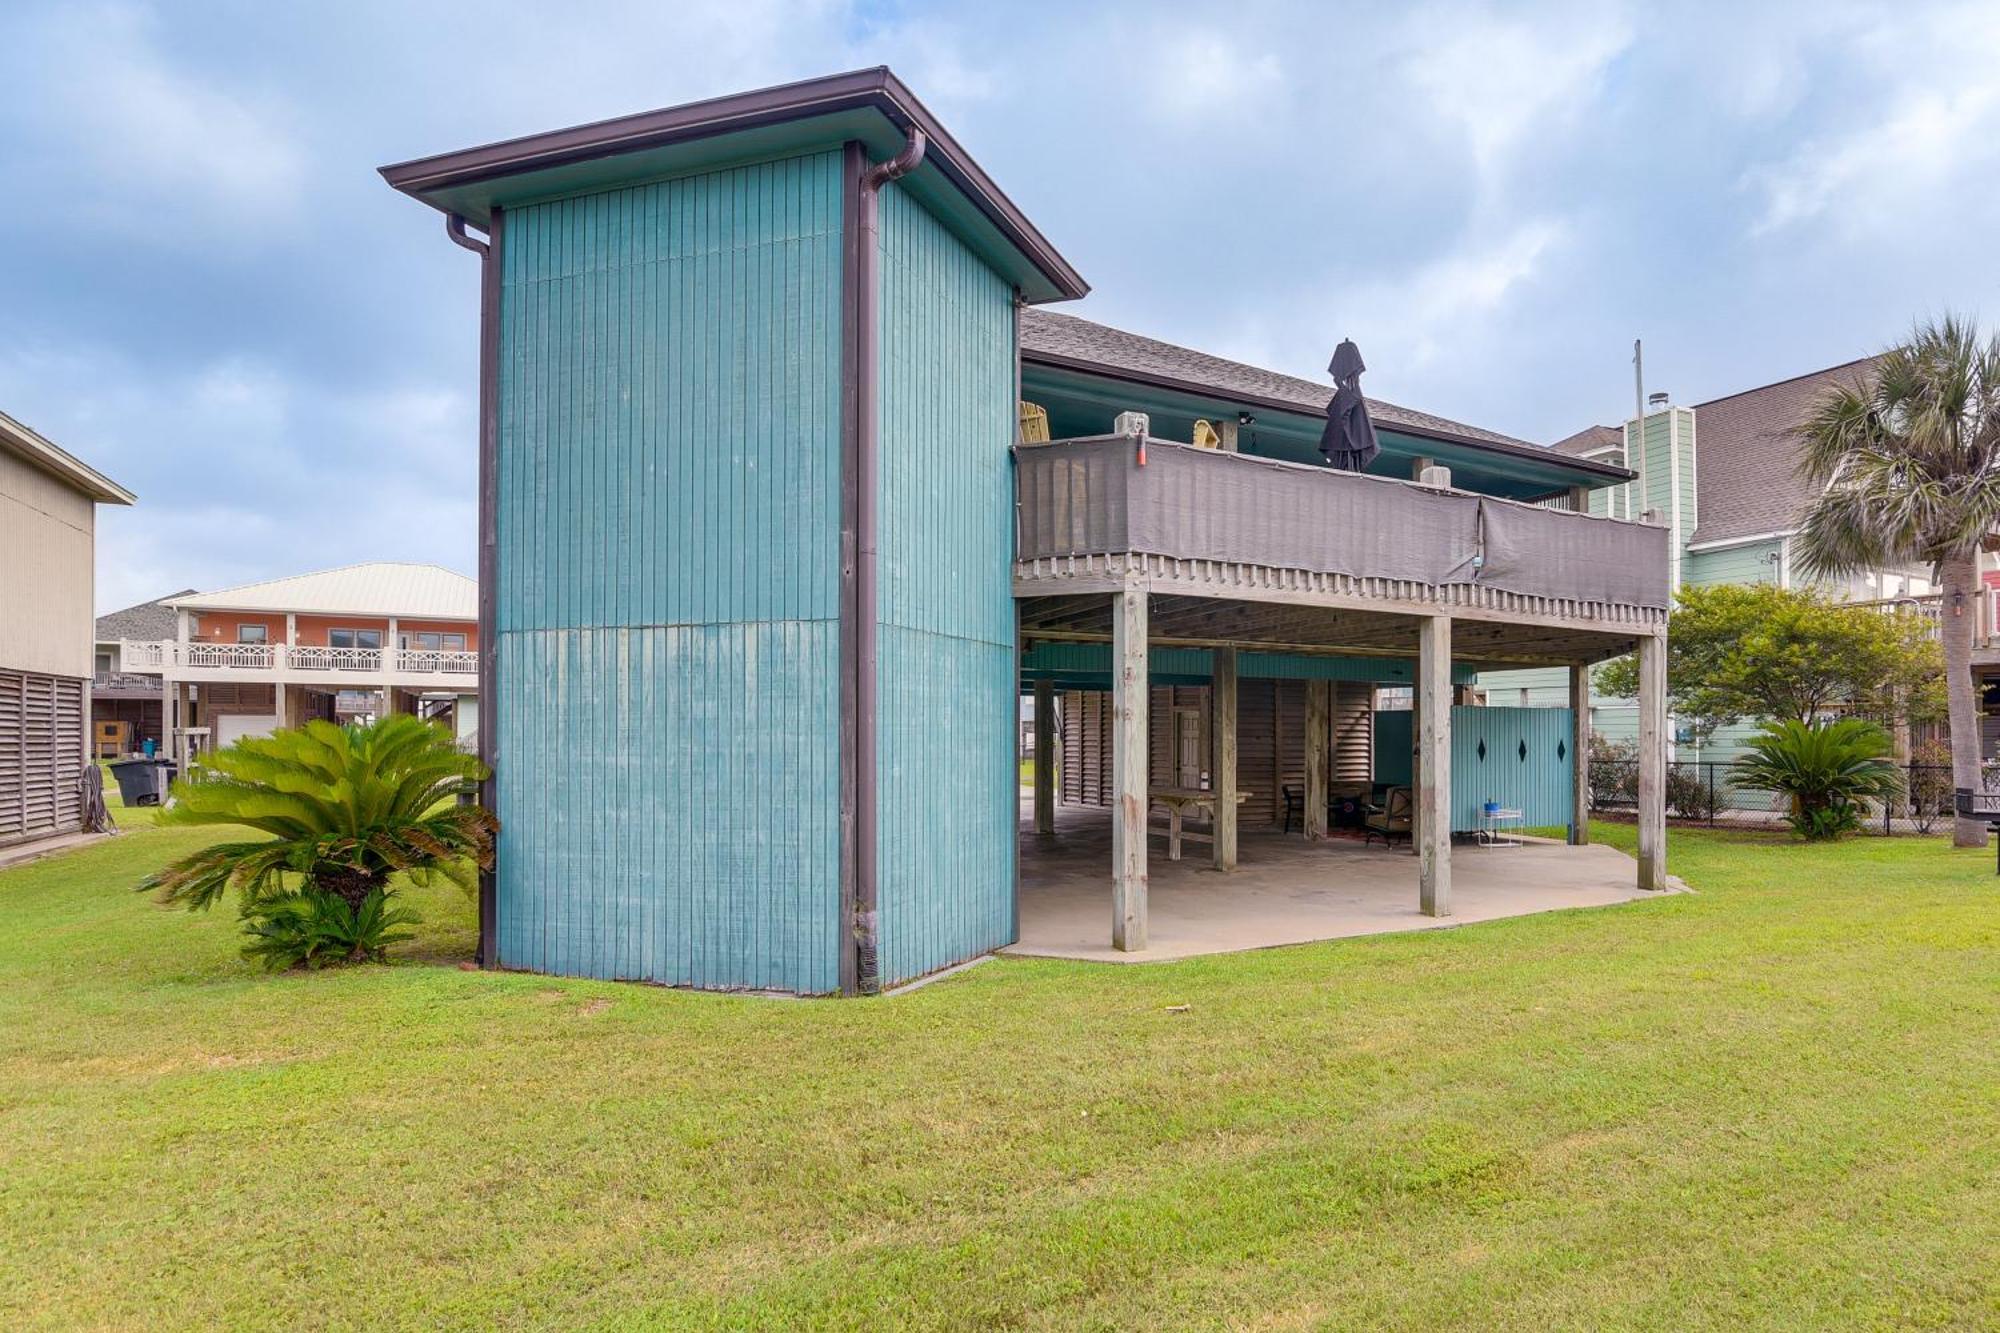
(1656, 401)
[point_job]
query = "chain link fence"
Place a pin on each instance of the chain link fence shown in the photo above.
(1701, 792)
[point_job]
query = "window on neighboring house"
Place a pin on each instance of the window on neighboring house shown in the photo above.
(104, 664)
(354, 638)
(432, 641)
(251, 634)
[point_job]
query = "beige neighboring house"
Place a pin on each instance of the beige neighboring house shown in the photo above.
(48, 525)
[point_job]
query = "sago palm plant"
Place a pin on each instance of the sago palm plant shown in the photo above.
(344, 809)
(1908, 459)
(1827, 771)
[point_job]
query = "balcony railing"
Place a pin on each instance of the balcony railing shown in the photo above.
(278, 658)
(1108, 495)
(1984, 608)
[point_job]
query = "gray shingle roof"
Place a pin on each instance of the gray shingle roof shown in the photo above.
(1054, 338)
(146, 622)
(1746, 470)
(1589, 440)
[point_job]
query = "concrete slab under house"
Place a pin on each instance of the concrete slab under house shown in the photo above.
(790, 494)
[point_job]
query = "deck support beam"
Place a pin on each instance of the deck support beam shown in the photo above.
(1653, 762)
(1579, 754)
(1128, 768)
(1222, 765)
(1045, 756)
(1319, 743)
(1433, 804)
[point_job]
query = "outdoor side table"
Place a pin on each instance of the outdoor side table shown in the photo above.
(1497, 828)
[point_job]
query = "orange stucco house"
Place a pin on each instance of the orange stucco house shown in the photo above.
(247, 660)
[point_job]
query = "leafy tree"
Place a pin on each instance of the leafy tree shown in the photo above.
(344, 809)
(1738, 651)
(1827, 771)
(1909, 459)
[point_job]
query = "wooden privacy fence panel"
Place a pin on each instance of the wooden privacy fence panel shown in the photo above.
(41, 753)
(1270, 741)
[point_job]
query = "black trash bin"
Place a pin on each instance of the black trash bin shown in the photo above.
(143, 781)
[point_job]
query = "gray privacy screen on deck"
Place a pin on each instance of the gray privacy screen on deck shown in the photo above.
(1082, 497)
(1550, 553)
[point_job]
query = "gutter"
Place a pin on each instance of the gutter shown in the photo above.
(489, 551)
(861, 442)
(876, 89)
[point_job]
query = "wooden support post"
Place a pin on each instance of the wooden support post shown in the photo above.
(1319, 722)
(1653, 762)
(1417, 466)
(1045, 756)
(1433, 803)
(1579, 754)
(1222, 763)
(1128, 768)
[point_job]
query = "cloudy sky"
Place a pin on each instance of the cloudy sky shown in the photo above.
(206, 291)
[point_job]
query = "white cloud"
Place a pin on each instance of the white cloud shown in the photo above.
(1504, 79)
(1420, 330)
(1880, 172)
(1442, 310)
(1201, 77)
(141, 143)
(1918, 128)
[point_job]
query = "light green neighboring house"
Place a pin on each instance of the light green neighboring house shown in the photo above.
(1723, 477)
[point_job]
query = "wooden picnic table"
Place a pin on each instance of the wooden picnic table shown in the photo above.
(1178, 802)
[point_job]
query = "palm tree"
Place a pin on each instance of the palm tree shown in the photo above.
(1909, 462)
(343, 809)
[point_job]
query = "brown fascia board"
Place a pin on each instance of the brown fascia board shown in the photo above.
(876, 88)
(1057, 361)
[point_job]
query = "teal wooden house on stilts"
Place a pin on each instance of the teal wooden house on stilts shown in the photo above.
(766, 566)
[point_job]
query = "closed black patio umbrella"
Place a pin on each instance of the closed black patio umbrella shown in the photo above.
(1348, 442)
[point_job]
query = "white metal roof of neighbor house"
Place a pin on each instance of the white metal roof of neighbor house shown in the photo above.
(379, 588)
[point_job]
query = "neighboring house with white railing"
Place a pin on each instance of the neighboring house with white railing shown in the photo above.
(338, 644)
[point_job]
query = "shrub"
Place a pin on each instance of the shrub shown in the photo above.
(1614, 772)
(1932, 793)
(345, 810)
(312, 928)
(1825, 772)
(1689, 794)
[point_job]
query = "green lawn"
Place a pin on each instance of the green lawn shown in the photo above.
(1770, 1104)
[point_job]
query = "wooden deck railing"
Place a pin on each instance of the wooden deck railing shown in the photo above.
(1108, 495)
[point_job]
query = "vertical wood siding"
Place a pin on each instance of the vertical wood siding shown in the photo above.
(1516, 757)
(947, 696)
(1526, 764)
(667, 607)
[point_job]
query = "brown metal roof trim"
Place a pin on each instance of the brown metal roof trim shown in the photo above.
(876, 88)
